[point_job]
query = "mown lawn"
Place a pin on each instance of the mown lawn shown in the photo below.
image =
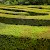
(25, 27)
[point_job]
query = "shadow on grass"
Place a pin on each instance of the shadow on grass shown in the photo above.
(31, 22)
(10, 42)
(16, 10)
(39, 8)
(36, 14)
(29, 13)
(36, 7)
(48, 11)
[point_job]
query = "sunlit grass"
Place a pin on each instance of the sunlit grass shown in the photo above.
(24, 31)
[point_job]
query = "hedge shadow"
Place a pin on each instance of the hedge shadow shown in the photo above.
(31, 22)
(10, 42)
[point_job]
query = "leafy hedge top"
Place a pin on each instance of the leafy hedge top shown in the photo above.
(15, 2)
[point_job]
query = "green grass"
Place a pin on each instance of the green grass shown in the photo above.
(25, 27)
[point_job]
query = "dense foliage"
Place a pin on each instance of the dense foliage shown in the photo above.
(15, 2)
